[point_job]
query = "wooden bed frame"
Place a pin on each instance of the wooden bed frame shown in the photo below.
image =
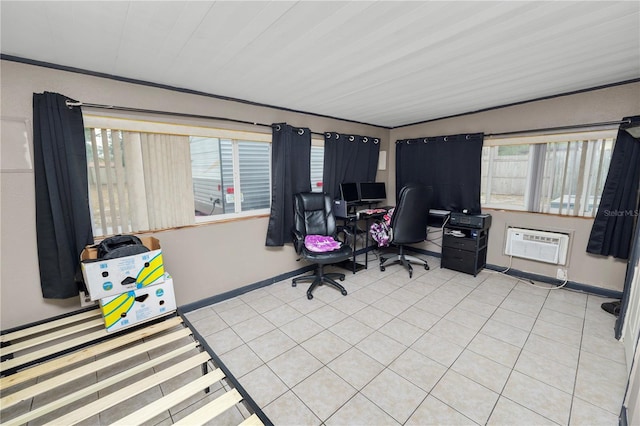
(64, 349)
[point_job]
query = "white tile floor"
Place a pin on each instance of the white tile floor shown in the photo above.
(441, 348)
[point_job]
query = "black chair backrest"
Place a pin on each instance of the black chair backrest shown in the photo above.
(313, 214)
(409, 220)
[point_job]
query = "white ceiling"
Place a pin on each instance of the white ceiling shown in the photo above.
(387, 63)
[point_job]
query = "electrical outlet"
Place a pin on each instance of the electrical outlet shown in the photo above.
(85, 300)
(561, 274)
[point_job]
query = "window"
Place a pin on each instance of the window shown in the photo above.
(145, 176)
(230, 176)
(560, 174)
(505, 176)
(317, 164)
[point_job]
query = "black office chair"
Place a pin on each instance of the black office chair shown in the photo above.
(313, 215)
(409, 225)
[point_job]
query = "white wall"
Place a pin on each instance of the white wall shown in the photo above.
(596, 106)
(205, 260)
(211, 259)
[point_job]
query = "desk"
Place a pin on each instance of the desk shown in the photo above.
(437, 218)
(351, 223)
(366, 217)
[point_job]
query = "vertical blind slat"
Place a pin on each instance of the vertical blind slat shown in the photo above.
(564, 177)
(188, 214)
(146, 176)
(552, 178)
(116, 139)
(577, 204)
(134, 171)
(598, 183)
(106, 152)
(98, 178)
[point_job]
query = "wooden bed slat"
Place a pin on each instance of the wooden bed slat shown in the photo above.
(212, 409)
(129, 391)
(33, 356)
(174, 398)
(69, 376)
(40, 351)
(73, 358)
(252, 420)
(19, 334)
(39, 340)
(109, 381)
(16, 362)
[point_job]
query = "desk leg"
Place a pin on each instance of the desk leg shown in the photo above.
(366, 244)
(351, 264)
(354, 230)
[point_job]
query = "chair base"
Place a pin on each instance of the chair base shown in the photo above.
(404, 259)
(319, 278)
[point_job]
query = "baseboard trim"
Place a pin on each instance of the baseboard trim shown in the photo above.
(622, 420)
(511, 272)
(599, 291)
(242, 290)
(573, 285)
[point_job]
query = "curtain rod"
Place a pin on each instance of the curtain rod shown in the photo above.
(571, 127)
(253, 123)
(179, 114)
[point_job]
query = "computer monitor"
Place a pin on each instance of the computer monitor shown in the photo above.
(372, 191)
(349, 192)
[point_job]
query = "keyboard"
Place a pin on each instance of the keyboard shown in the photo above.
(370, 212)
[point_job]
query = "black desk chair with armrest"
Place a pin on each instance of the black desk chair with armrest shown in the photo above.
(409, 225)
(313, 215)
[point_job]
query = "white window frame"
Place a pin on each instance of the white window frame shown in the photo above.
(318, 143)
(238, 213)
(537, 150)
(148, 126)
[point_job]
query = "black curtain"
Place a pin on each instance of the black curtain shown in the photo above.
(290, 174)
(348, 158)
(63, 221)
(613, 226)
(449, 164)
(628, 279)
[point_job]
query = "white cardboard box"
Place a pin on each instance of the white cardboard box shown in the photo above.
(136, 306)
(114, 276)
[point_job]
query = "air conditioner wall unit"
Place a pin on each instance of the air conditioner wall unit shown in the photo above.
(542, 246)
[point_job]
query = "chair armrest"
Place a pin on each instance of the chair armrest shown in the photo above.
(346, 231)
(298, 241)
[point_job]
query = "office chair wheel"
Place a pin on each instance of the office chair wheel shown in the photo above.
(382, 268)
(293, 284)
(309, 296)
(426, 267)
(410, 274)
(344, 292)
(341, 278)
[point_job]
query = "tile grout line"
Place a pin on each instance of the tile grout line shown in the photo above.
(461, 352)
(449, 367)
(387, 367)
(421, 335)
(500, 394)
(575, 380)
